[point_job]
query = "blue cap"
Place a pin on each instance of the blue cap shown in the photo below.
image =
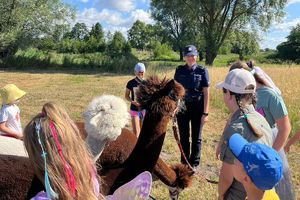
(262, 163)
(190, 50)
(139, 67)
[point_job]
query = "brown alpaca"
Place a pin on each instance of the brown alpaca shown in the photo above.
(125, 158)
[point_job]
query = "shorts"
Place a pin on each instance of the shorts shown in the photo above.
(140, 114)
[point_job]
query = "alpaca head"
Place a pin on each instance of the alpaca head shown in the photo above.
(105, 117)
(160, 96)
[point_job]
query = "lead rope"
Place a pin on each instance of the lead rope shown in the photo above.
(177, 138)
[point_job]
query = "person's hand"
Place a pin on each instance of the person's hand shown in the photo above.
(19, 136)
(136, 103)
(287, 148)
(204, 119)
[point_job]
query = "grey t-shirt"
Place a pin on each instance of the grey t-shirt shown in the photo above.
(239, 124)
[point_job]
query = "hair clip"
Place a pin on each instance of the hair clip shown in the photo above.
(50, 192)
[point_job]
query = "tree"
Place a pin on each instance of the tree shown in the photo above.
(174, 19)
(291, 48)
(118, 46)
(139, 35)
(79, 31)
(97, 32)
(21, 22)
(244, 43)
(215, 18)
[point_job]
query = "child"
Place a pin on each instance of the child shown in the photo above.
(61, 160)
(130, 94)
(292, 141)
(239, 96)
(257, 166)
(10, 122)
(59, 156)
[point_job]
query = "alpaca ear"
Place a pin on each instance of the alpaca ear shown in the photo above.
(169, 87)
(95, 120)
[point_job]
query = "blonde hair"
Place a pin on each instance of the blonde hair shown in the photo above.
(74, 150)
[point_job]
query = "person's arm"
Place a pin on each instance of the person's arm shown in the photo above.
(292, 141)
(206, 104)
(10, 132)
(284, 129)
(225, 179)
(127, 95)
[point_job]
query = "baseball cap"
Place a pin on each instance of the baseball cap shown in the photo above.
(11, 93)
(262, 163)
(140, 67)
(239, 81)
(190, 50)
(138, 188)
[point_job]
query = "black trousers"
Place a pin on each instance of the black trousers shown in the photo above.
(192, 115)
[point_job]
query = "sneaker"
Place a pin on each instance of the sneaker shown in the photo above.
(195, 167)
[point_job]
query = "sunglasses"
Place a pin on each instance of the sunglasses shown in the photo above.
(141, 72)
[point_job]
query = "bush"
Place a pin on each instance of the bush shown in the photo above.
(32, 58)
(163, 52)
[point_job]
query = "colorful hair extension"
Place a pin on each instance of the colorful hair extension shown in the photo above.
(50, 192)
(68, 170)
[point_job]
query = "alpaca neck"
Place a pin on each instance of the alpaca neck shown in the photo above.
(150, 141)
(96, 146)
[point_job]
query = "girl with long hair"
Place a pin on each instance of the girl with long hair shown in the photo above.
(59, 156)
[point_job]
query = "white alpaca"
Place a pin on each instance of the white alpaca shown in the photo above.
(12, 146)
(104, 119)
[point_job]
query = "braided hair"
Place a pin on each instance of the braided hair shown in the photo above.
(251, 98)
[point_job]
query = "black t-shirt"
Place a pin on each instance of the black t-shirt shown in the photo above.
(193, 80)
(132, 85)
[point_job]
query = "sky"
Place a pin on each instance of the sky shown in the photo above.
(119, 15)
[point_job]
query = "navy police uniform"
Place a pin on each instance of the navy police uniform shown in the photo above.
(193, 80)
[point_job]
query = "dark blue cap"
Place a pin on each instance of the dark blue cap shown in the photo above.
(261, 162)
(190, 50)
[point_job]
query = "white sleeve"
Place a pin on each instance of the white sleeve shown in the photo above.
(3, 115)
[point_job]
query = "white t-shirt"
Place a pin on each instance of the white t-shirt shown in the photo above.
(11, 115)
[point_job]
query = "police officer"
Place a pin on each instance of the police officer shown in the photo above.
(195, 80)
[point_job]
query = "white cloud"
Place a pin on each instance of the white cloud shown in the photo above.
(84, 1)
(120, 5)
(271, 42)
(91, 16)
(142, 15)
(112, 19)
(286, 26)
(289, 2)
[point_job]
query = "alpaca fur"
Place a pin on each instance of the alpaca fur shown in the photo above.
(12, 146)
(104, 119)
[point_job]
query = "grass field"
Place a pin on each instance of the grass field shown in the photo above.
(75, 91)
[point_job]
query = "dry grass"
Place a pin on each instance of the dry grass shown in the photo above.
(76, 91)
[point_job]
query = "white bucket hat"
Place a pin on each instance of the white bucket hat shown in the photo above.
(239, 81)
